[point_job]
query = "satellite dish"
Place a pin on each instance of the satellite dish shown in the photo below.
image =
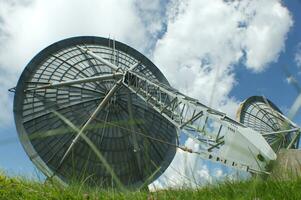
(262, 115)
(64, 88)
(92, 109)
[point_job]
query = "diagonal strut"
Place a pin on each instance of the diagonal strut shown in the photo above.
(78, 81)
(94, 114)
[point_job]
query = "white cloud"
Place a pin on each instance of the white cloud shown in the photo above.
(298, 55)
(41, 23)
(180, 172)
(152, 13)
(205, 39)
(265, 35)
(6, 99)
(219, 173)
(26, 27)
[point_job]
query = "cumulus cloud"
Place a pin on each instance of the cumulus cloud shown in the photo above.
(28, 26)
(298, 55)
(267, 25)
(153, 15)
(206, 39)
(39, 23)
(181, 172)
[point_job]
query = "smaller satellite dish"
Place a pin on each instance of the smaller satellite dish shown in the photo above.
(262, 115)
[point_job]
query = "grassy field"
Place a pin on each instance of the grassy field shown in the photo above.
(20, 188)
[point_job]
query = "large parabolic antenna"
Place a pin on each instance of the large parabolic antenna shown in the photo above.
(95, 110)
(120, 129)
(260, 114)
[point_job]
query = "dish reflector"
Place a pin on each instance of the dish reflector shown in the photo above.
(262, 115)
(126, 130)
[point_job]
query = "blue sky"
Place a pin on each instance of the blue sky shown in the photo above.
(272, 82)
(187, 60)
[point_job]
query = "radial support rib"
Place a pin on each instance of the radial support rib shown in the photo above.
(97, 57)
(78, 81)
(94, 114)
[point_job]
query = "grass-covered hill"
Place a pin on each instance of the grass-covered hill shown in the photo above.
(19, 188)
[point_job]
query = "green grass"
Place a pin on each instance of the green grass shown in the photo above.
(20, 188)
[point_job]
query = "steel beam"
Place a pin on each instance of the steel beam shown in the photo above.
(294, 140)
(78, 81)
(193, 118)
(94, 114)
(99, 58)
(134, 66)
(279, 132)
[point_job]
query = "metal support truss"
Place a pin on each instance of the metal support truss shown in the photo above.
(221, 138)
(217, 134)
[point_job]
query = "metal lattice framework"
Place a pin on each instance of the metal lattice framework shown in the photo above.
(262, 115)
(91, 107)
(222, 139)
